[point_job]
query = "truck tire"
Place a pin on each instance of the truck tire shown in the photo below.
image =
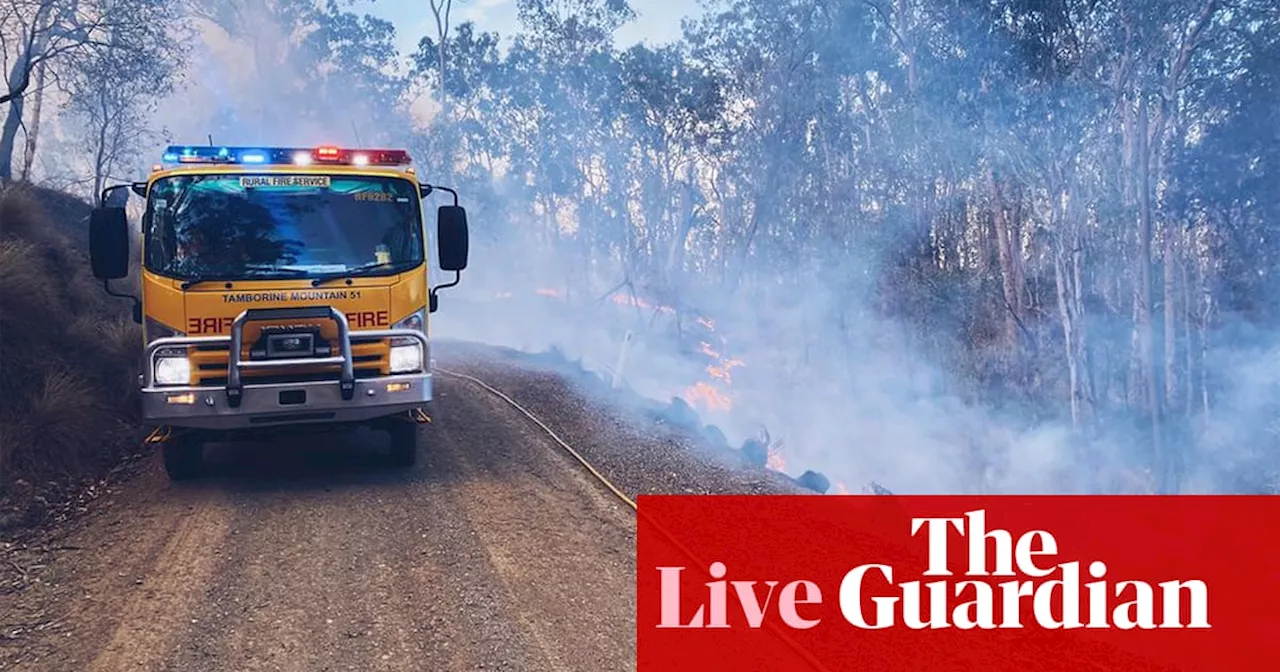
(404, 443)
(183, 457)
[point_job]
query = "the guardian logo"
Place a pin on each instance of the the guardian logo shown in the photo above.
(1041, 591)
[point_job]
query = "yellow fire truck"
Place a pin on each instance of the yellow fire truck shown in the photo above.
(283, 289)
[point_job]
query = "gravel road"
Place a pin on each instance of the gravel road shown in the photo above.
(496, 551)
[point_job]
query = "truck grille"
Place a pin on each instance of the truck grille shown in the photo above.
(209, 365)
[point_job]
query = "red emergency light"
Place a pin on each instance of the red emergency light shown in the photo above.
(326, 154)
(360, 157)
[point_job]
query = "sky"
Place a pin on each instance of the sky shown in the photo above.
(657, 21)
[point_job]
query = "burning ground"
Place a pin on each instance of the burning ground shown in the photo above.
(649, 447)
(640, 355)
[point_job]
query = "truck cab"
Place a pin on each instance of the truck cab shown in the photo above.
(281, 290)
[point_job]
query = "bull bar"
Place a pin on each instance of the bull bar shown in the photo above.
(240, 405)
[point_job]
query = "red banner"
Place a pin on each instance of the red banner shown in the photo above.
(941, 583)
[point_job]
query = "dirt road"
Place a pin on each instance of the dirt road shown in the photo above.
(495, 551)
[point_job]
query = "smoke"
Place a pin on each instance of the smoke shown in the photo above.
(286, 72)
(803, 349)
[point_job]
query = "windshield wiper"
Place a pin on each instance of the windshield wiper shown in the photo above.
(227, 277)
(358, 271)
(201, 279)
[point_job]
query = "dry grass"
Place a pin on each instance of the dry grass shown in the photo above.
(68, 354)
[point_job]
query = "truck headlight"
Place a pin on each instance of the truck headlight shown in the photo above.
(172, 368)
(406, 358)
(406, 353)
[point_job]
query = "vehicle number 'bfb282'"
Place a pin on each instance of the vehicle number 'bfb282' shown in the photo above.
(203, 326)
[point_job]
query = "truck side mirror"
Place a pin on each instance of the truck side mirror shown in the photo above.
(451, 237)
(109, 243)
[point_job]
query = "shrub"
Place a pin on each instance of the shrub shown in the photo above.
(69, 354)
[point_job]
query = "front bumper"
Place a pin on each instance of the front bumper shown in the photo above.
(285, 403)
(239, 405)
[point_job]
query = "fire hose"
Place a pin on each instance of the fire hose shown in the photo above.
(554, 437)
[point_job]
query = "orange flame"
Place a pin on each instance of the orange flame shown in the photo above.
(776, 462)
(722, 372)
(703, 394)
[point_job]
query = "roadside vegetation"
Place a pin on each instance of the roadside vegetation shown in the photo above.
(68, 358)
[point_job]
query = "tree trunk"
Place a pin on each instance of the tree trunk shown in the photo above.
(1204, 313)
(1005, 251)
(440, 62)
(1023, 300)
(984, 248)
(740, 260)
(1065, 314)
(1088, 392)
(19, 75)
(1188, 336)
(441, 12)
(33, 128)
(8, 136)
(1067, 261)
(100, 167)
(684, 207)
(1169, 255)
(1148, 358)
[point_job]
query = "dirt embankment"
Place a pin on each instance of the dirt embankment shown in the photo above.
(68, 359)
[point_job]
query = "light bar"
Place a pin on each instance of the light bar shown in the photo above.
(291, 156)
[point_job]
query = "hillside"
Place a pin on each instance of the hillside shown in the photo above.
(68, 356)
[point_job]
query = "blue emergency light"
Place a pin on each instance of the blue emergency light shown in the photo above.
(291, 156)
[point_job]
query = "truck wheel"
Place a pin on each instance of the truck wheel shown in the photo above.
(404, 443)
(183, 457)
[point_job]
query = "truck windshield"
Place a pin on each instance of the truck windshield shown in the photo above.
(281, 226)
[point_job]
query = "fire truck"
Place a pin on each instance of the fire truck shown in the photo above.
(282, 290)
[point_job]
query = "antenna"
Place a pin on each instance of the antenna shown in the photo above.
(357, 132)
(210, 139)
